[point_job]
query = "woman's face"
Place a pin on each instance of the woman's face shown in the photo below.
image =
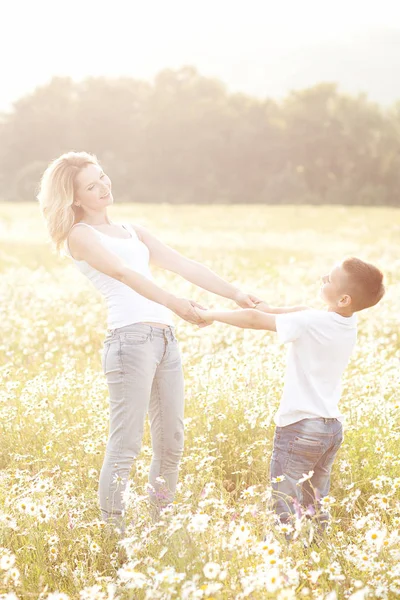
(93, 188)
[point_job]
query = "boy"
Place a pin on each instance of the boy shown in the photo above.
(308, 422)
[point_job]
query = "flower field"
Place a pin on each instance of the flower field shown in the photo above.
(219, 540)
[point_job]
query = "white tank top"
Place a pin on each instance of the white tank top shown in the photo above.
(125, 306)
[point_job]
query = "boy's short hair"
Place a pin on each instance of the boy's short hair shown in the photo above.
(366, 283)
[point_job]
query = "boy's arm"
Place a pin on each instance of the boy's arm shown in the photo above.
(278, 310)
(247, 318)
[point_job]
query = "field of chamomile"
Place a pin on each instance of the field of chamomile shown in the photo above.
(219, 540)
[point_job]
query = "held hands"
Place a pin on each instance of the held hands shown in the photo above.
(204, 315)
(263, 306)
(187, 310)
(245, 300)
(248, 300)
(194, 313)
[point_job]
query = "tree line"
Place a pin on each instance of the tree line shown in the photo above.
(184, 138)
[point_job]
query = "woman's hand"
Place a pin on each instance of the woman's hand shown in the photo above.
(246, 300)
(185, 309)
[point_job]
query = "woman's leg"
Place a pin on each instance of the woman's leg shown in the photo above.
(129, 363)
(166, 420)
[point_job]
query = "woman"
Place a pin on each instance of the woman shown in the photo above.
(141, 358)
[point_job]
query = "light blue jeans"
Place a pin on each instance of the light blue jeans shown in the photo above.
(304, 446)
(143, 369)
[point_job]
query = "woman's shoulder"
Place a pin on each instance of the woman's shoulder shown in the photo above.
(138, 230)
(79, 228)
(79, 235)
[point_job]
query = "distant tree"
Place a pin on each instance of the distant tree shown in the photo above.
(185, 138)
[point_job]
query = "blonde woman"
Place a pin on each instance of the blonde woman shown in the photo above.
(141, 359)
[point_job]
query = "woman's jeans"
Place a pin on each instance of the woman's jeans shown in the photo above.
(144, 374)
(308, 445)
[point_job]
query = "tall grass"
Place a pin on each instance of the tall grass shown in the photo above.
(210, 543)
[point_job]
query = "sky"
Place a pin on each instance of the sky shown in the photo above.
(260, 47)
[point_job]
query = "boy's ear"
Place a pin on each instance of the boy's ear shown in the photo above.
(345, 301)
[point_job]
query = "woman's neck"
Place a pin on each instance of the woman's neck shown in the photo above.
(96, 220)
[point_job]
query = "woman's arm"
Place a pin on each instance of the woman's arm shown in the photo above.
(247, 318)
(167, 258)
(84, 245)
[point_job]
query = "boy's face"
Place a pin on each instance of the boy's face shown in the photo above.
(334, 288)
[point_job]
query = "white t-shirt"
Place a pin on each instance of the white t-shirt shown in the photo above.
(321, 345)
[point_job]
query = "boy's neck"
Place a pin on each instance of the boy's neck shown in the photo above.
(343, 313)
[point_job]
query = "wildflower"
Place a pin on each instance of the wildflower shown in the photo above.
(383, 502)
(375, 537)
(211, 570)
(273, 580)
(43, 514)
(47, 447)
(327, 501)
(53, 553)
(32, 509)
(345, 466)
(278, 479)
(7, 561)
(240, 534)
(23, 505)
(134, 579)
(118, 480)
(285, 528)
(89, 447)
(8, 521)
(360, 594)
(53, 539)
(41, 486)
(315, 556)
(92, 593)
(94, 547)
(249, 492)
(305, 477)
(211, 588)
(199, 523)
(314, 575)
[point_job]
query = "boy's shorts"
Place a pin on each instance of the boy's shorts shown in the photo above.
(304, 446)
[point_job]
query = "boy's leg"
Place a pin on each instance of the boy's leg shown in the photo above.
(318, 486)
(297, 449)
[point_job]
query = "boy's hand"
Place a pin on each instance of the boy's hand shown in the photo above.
(263, 306)
(204, 315)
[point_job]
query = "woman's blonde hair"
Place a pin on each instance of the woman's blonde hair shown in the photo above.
(57, 192)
